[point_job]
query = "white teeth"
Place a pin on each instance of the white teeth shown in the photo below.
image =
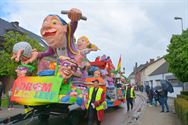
(66, 72)
(52, 30)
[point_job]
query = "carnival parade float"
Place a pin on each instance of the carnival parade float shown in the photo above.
(64, 73)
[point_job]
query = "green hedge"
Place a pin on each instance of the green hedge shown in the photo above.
(4, 102)
(183, 96)
(184, 93)
(181, 108)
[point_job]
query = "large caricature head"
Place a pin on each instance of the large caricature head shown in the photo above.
(67, 67)
(82, 43)
(97, 74)
(112, 75)
(24, 69)
(54, 31)
(21, 71)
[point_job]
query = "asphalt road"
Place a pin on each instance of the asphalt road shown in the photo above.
(113, 116)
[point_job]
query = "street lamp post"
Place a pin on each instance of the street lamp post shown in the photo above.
(179, 18)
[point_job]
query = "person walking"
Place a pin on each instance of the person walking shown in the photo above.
(147, 89)
(151, 94)
(156, 97)
(163, 100)
(95, 104)
(1, 92)
(130, 96)
(10, 103)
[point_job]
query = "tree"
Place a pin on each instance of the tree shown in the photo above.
(177, 56)
(8, 66)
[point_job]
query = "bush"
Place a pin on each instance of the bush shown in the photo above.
(181, 107)
(183, 96)
(177, 56)
(184, 93)
(4, 102)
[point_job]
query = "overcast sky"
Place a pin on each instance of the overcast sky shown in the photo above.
(135, 29)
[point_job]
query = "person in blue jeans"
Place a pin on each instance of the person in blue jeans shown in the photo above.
(163, 100)
(1, 92)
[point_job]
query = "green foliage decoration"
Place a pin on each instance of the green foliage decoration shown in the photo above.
(8, 66)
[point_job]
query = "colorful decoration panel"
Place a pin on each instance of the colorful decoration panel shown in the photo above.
(36, 90)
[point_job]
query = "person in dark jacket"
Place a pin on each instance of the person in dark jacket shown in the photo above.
(163, 100)
(96, 104)
(1, 92)
(130, 96)
(151, 94)
(156, 97)
(147, 88)
(10, 103)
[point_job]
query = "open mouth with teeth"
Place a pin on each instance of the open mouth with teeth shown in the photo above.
(50, 32)
(66, 72)
(79, 45)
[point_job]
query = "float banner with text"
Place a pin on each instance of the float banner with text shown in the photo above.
(36, 90)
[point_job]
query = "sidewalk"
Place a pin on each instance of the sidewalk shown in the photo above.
(151, 115)
(4, 113)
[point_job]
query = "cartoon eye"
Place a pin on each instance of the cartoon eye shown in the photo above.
(54, 21)
(74, 68)
(65, 64)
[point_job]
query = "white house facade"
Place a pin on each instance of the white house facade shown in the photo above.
(149, 69)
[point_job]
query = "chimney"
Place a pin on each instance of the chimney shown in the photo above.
(152, 60)
(158, 57)
(15, 23)
(135, 67)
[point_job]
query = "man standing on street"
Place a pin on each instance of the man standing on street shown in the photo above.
(96, 103)
(163, 100)
(1, 91)
(130, 96)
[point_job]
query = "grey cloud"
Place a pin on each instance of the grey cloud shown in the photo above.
(138, 30)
